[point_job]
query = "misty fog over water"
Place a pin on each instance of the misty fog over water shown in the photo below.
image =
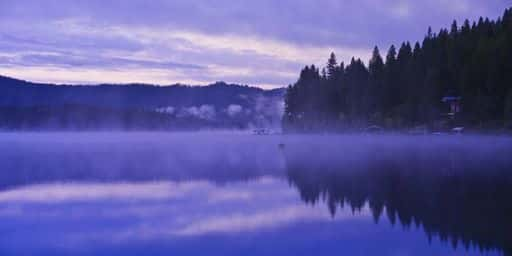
(230, 193)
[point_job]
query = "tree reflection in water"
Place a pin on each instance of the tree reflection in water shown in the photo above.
(458, 194)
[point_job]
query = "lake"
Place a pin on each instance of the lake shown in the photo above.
(232, 193)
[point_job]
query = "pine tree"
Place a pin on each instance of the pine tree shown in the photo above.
(376, 72)
(454, 29)
(390, 81)
(376, 64)
(332, 66)
(508, 110)
(391, 56)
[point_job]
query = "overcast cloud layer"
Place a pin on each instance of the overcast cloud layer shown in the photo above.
(262, 43)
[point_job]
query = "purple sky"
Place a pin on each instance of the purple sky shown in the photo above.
(262, 43)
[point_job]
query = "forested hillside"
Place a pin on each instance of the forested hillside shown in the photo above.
(33, 106)
(412, 85)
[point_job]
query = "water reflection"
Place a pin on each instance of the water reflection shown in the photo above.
(109, 194)
(458, 193)
(74, 217)
(135, 157)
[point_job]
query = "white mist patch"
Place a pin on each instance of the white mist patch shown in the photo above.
(166, 110)
(268, 111)
(205, 112)
(234, 110)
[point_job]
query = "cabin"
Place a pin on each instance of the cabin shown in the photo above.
(453, 105)
(261, 131)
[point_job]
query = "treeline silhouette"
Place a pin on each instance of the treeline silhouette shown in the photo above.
(472, 61)
(71, 117)
(458, 196)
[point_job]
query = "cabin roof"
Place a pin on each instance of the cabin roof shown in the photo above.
(451, 98)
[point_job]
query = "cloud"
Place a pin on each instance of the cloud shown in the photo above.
(247, 222)
(155, 210)
(61, 193)
(69, 60)
(401, 10)
(262, 43)
(80, 75)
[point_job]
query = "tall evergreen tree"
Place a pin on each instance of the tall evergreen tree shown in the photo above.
(454, 29)
(508, 110)
(376, 72)
(332, 66)
(376, 64)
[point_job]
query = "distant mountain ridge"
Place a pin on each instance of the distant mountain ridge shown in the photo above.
(15, 92)
(219, 105)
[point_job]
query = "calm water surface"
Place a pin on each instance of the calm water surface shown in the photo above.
(239, 194)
